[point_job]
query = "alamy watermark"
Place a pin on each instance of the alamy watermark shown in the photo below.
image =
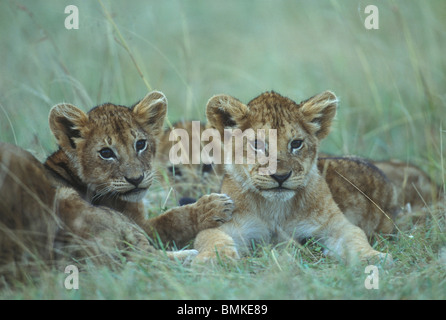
(372, 280)
(72, 280)
(261, 147)
(370, 22)
(72, 20)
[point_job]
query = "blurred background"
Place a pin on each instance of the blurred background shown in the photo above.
(390, 81)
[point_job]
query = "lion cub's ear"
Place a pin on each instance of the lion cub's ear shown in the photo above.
(151, 111)
(66, 122)
(318, 112)
(224, 111)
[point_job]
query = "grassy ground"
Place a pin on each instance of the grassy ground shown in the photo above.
(393, 100)
(272, 273)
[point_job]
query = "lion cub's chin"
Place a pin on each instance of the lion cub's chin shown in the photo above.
(134, 195)
(278, 194)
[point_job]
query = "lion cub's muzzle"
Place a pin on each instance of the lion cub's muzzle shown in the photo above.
(136, 187)
(279, 187)
(281, 178)
(279, 183)
(135, 181)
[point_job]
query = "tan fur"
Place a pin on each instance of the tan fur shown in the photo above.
(303, 206)
(413, 185)
(363, 193)
(80, 194)
(28, 224)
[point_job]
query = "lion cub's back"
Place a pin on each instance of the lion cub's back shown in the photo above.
(362, 192)
(413, 185)
(26, 206)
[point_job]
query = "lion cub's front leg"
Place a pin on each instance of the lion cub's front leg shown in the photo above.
(182, 224)
(347, 241)
(102, 228)
(213, 244)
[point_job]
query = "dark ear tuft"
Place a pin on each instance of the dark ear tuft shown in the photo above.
(224, 111)
(65, 122)
(225, 118)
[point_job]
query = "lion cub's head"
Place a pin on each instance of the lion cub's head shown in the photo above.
(187, 178)
(111, 148)
(300, 127)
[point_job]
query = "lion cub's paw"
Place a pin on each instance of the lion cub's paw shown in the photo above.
(228, 254)
(185, 256)
(213, 210)
(379, 258)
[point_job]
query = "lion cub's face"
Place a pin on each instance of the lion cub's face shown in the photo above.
(188, 179)
(111, 147)
(300, 127)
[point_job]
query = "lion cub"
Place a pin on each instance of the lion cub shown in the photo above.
(189, 180)
(294, 202)
(107, 155)
(92, 187)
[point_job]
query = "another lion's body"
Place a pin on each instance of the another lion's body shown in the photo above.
(363, 193)
(294, 202)
(414, 187)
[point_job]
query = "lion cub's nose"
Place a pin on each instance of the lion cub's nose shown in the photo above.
(135, 181)
(281, 178)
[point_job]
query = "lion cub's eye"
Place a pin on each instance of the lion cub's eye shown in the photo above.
(140, 145)
(174, 171)
(107, 154)
(258, 145)
(296, 145)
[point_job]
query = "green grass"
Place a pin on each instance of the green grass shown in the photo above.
(271, 273)
(390, 83)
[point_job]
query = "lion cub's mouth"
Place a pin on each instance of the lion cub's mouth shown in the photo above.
(278, 193)
(278, 189)
(134, 195)
(134, 191)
